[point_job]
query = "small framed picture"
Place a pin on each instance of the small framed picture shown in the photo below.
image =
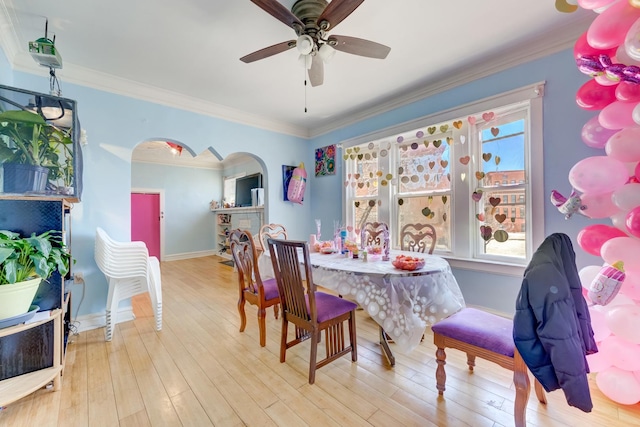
(326, 160)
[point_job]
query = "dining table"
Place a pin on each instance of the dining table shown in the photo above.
(402, 302)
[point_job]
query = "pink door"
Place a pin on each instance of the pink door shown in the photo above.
(145, 221)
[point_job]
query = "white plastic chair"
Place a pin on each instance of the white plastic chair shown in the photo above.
(129, 271)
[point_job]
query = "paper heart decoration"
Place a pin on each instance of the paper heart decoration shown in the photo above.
(487, 117)
(471, 120)
(465, 160)
(437, 143)
(449, 140)
(379, 173)
(401, 202)
(361, 185)
(444, 128)
(444, 200)
(500, 218)
(479, 175)
(426, 211)
(346, 183)
(349, 228)
(494, 201)
(357, 204)
(357, 230)
(431, 130)
(349, 150)
(463, 139)
(485, 232)
(431, 165)
(353, 184)
(480, 217)
(513, 219)
(348, 176)
(476, 196)
(345, 157)
(444, 163)
(352, 156)
(356, 149)
(497, 160)
(495, 131)
(360, 157)
(357, 176)
(463, 176)
(486, 156)
(427, 177)
(449, 177)
(457, 124)
(444, 217)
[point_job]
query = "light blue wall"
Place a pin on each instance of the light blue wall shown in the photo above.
(189, 226)
(563, 121)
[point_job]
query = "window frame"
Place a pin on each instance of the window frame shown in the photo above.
(463, 253)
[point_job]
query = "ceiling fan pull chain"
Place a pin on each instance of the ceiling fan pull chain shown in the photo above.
(305, 90)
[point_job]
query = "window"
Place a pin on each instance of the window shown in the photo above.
(465, 171)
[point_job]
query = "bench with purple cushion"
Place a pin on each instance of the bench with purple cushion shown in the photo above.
(490, 337)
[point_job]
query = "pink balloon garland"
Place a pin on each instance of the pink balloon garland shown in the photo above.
(610, 183)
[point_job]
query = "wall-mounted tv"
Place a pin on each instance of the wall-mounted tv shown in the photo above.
(244, 186)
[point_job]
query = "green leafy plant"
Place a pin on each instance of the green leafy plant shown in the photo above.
(23, 258)
(29, 139)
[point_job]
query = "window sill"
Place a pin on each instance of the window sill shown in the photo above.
(486, 266)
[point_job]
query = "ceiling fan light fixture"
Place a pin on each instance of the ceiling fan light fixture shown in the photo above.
(304, 44)
(326, 52)
(305, 61)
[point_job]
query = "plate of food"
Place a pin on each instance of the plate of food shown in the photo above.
(327, 250)
(410, 263)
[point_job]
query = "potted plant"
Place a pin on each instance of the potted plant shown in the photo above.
(24, 263)
(32, 151)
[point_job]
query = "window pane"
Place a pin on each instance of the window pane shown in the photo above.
(503, 233)
(430, 210)
(424, 165)
(364, 211)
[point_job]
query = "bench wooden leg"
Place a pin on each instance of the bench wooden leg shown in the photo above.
(523, 388)
(441, 376)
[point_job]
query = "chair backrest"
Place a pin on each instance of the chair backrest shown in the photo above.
(373, 234)
(245, 256)
(273, 231)
(290, 279)
(120, 259)
(418, 238)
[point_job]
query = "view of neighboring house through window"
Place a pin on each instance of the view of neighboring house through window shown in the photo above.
(467, 171)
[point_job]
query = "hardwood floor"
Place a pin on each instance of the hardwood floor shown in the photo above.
(200, 371)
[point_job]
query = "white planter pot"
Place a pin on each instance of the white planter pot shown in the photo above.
(16, 298)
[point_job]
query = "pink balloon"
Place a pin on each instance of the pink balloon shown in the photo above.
(599, 325)
(631, 285)
(594, 4)
(622, 353)
(619, 385)
(610, 28)
(598, 362)
(618, 220)
(626, 198)
(625, 249)
(633, 222)
(598, 175)
(594, 96)
(593, 237)
(617, 115)
(623, 57)
(582, 48)
(624, 145)
(595, 135)
(598, 205)
(623, 322)
(628, 92)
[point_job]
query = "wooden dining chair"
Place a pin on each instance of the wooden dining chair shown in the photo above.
(252, 288)
(490, 337)
(310, 311)
(418, 238)
(373, 234)
(273, 231)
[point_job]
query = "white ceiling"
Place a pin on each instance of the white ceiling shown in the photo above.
(186, 53)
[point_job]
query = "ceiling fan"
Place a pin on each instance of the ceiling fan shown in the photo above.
(312, 20)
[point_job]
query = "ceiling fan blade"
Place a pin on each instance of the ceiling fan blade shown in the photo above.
(336, 11)
(316, 72)
(278, 11)
(358, 46)
(268, 51)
